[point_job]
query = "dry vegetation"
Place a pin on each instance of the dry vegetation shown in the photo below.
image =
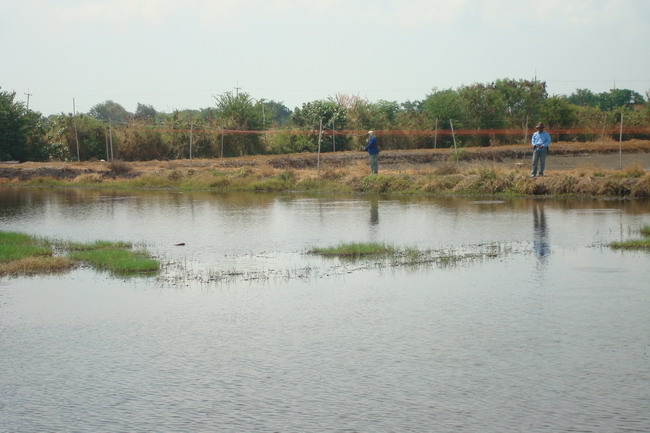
(585, 169)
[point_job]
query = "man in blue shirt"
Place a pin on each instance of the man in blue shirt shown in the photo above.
(373, 151)
(540, 141)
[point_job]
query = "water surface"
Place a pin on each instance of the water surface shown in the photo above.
(551, 335)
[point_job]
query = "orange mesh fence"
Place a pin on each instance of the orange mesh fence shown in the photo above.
(411, 132)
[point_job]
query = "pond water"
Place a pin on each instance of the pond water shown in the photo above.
(548, 332)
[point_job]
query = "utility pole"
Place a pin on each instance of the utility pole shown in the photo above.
(28, 95)
(237, 90)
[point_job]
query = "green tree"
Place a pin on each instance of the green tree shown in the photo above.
(110, 110)
(523, 99)
(22, 131)
(558, 112)
(332, 115)
(276, 113)
(584, 98)
(485, 108)
(239, 112)
(146, 113)
(91, 134)
(445, 105)
(618, 98)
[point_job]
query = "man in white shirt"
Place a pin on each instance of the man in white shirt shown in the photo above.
(540, 141)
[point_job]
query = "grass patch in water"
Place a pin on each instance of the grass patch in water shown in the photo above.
(17, 246)
(36, 265)
(356, 249)
(97, 245)
(118, 260)
(22, 254)
(635, 244)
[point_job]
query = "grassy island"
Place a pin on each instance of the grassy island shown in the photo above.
(22, 254)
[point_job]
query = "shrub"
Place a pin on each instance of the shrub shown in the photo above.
(642, 187)
(119, 167)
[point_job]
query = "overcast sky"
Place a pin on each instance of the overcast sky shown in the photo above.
(176, 54)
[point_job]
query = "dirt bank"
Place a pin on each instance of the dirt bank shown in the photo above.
(562, 157)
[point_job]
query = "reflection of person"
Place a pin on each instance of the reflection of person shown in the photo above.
(373, 151)
(374, 211)
(540, 233)
(540, 141)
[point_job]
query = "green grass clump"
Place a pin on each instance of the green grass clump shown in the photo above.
(634, 244)
(9, 253)
(356, 249)
(97, 245)
(17, 246)
(117, 260)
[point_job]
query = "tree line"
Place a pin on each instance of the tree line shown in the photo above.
(239, 124)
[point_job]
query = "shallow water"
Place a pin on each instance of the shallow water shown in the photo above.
(552, 334)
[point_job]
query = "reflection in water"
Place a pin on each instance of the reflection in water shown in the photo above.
(540, 234)
(374, 211)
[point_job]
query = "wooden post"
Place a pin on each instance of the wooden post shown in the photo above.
(110, 137)
(320, 134)
(333, 136)
(74, 123)
(222, 133)
(526, 131)
(453, 135)
(191, 140)
(620, 145)
(435, 136)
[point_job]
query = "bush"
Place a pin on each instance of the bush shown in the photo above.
(118, 168)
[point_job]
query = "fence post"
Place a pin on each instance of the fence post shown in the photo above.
(191, 140)
(435, 136)
(320, 134)
(453, 136)
(74, 123)
(620, 145)
(110, 137)
(222, 134)
(526, 131)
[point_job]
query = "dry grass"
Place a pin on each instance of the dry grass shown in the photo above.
(491, 170)
(35, 265)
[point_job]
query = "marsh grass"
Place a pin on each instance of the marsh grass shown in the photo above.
(635, 244)
(17, 246)
(117, 260)
(97, 245)
(36, 265)
(22, 254)
(355, 249)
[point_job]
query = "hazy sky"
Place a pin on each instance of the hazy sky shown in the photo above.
(175, 54)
